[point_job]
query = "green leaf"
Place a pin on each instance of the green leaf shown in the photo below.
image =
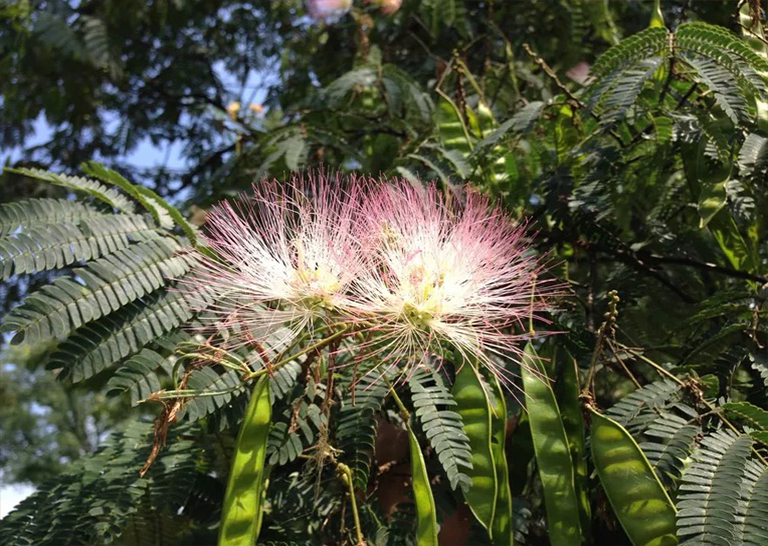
(475, 410)
(240, 516)
(426, 512)
(100, 498)
(753, 155)
(356, 426)
(285, 445)
(712, 199)
(105, 286)
(95, 346)
(754, 416)
(552, 452)
(189, 230)
(139, 375)
(32, 214)
(646, 43)
(727, 235)
(58, 245)
(151, 204)
(83, 185)
(636, 410)
(639, 500)
(624, 90)
(501, 528)
(672, 442)
(723, 493)
(573, 424)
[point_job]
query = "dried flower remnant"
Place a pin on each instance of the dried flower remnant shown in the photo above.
(233, 109)
(439, 272)
(284, 258)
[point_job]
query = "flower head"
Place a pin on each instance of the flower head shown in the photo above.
(284, 257)
(328, 9)
(389, 7)
(441, 272)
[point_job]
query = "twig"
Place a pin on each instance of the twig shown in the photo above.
(573, 98)
(346, 476)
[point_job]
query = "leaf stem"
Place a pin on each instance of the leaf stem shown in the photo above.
(404, 413)
(651, 363)
(715, 410)
(319, 345)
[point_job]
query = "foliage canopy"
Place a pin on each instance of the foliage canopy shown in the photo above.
(644, 184)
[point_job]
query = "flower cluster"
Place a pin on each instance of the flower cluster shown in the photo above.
(328, 9)
(325, 10)
(413, 270)
(285, 256)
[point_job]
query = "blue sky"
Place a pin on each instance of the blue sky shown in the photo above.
(167, 154)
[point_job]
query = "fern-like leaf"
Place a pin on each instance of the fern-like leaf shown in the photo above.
(139, 375)
(719, 500)
(296, 431)
(753, 155)
(624, 91)
(97, 345)
(31, 214)
(356, 424)
(213, 391)
(107, 284)
(672, 442)
(722, 44)
(748, 413)
(720, 82)
(443, 427)
(284, 380)
(645, 44)
(521, 123)
(154, 204)
(59, 245)
(638, 409)
(95, 189)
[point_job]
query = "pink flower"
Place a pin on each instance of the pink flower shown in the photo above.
(328, 9)
(284, 258)
(390, 7)
(440, 273)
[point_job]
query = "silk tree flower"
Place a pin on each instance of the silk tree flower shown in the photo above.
(389, 7)
(440, 272)
(284, 258)
(327, 9)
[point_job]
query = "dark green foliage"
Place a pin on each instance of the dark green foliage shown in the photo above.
(91, 188)
(356, 423)
(94, 347)
(138, 375)
(60, 245)
(102, 498)
(106, 285)
(639, 408)
(646, 43)
(723, 496)
(37, 213)
(216, 389)
(295, 432)
(671, 440)
(647, 179)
